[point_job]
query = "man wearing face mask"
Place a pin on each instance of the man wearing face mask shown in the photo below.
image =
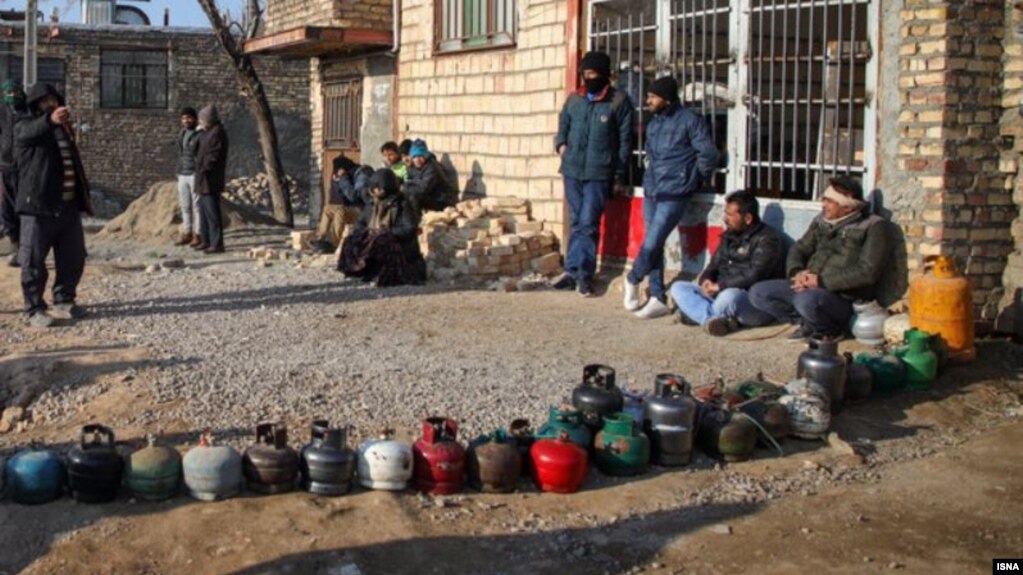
(594, 131)
(52, 193)
(13, 106)
(840, 259)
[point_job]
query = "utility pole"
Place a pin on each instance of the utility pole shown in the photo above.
(28, 75)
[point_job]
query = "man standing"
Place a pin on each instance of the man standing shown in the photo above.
(750, 252)
(349, 193)
(210, 168)
(52, 193)
(188, 200)
(594, 131)
(13, 106)
(680, 155)
(392, 160)
(840, 259)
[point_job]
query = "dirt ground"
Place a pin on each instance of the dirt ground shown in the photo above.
(927, 482)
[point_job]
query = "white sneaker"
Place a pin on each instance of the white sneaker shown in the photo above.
(632, 301)
(653, 309)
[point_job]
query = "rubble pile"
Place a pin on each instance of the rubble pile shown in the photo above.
(488, 238)
(255, 192)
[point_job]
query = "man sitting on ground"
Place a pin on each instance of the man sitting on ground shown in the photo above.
(384, 247)
(839, 259)
(427, 186)
(349, 185)
(393, 160)
(750, 251)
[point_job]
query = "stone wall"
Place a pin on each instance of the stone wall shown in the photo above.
(127, 150)
(1010, 318)
(950, 79)
(490, 114)
(284, 15)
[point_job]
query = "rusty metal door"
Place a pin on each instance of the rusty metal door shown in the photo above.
(342, 125)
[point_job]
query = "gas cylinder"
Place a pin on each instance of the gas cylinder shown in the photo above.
(270, 466)
(94, 466)
(597, 396)
(941, 302)
(921, 362)
(807, 403)
(771, 416)
(888, 370)
(633, 405)
(868, 322)
(619, 449)
(439, 467)
(727, 435)
(153, 473)
(569, 420)
(212, 472)
(559, 465)
(384, 463)
(859, 380)
(327, 463)
(522, 433)
(493, 463)
(668, 417)
(34, 476)
(821, 363)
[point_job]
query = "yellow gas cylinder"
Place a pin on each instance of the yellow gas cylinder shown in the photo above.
(941, 302)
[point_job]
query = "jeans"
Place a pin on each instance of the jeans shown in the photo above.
(64, 235)
(585, 207)
(820, 311)
(188, 201)
(660, 218)
(730, 302)
(211, 224)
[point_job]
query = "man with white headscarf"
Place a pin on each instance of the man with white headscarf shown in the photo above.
(839, 260)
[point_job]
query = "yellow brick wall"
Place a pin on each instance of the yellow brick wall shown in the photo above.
(496, 111)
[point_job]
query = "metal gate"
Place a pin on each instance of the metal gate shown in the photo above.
(786, 86)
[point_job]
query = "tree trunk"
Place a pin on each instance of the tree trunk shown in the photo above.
(249, 80)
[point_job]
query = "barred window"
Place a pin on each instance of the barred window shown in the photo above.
(474, 24)
(133, 79)
(48, 71)
(342, 120)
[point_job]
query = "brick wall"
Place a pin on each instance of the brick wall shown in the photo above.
(490, 112)
(127, 150)
(950, 78)
(284, 15)
(1010, 318)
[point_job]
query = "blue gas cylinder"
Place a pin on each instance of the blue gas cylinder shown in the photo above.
(34, 476)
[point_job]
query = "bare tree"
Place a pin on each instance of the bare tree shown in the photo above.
(251, 85)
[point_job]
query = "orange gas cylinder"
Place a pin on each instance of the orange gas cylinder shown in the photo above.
(941, 302)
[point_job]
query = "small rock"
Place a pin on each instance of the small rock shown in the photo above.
(805, 530)
(896, 565)
(152, 268)
(261, 263)
(173, 264)
(721, 529)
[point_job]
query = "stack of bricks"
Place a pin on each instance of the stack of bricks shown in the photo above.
(485, 239)
(950, 79)
(282, 15)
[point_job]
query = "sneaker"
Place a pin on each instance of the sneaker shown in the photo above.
(564, 281)
(654, 308)
(682, 318)
(40, 319)
(720, 326)
(632, 301)
(69, 311)
(199, 247)
(184, 240)
(213, 250)
(13, 260)
(799, 336)
(585, 288)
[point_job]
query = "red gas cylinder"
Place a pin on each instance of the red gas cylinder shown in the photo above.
(559, 466)
(439, 458)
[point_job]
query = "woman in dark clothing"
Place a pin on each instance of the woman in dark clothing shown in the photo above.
(384, 247)
(211, 163)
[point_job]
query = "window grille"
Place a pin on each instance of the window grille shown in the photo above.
(473, 24)
(133, 79)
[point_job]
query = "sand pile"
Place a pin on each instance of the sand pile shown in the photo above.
(156, 216)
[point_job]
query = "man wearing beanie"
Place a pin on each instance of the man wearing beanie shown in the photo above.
(839, 259)
(210, 171)
(427, 187)
(13, 106)
(188, 200)
(680, 156)
(594, 131)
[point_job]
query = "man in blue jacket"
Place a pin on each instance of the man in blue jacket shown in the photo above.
(594, 130)
(680, 155)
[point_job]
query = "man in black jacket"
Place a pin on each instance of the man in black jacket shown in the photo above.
(210, 168)
(750, 251)
(188, 200)
(426, 185)
(52, 193)
(349, 193)
(13, 106)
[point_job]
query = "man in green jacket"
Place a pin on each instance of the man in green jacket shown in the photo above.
(840, 259)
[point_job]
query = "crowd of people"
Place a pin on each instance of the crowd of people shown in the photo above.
(371, 215)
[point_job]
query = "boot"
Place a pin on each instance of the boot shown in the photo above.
(196, 241)
(185, 239)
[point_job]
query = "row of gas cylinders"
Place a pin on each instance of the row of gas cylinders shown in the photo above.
(620, 433)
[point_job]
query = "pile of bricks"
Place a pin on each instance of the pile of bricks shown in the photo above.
(486, 239)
